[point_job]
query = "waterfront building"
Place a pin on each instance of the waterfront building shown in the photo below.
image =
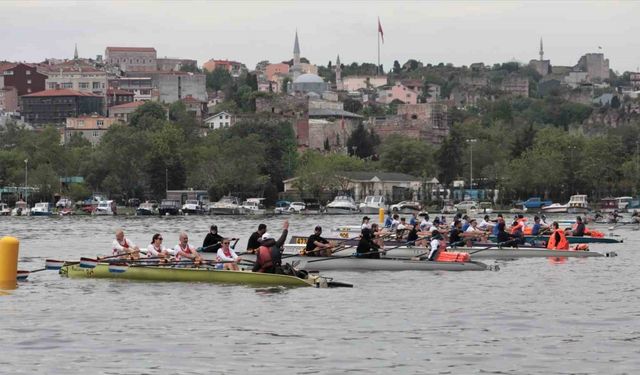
(52, 107)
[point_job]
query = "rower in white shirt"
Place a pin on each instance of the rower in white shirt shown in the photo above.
(227, 255)
(485, 224)
(156, 250)
(124, 247)
(184, 249)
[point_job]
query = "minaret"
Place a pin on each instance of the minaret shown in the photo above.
(338, 74)
(541, 51)
(75, 53)
(296, 51)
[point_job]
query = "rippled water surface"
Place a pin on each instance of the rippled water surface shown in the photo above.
(533, 316)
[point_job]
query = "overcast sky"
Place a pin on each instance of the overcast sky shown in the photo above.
(249, 31)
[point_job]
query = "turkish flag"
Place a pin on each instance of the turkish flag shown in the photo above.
(380, 30)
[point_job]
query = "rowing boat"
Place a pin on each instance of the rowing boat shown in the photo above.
(156, 273)
(571, 239)
(300, 240)
(488, 251)
(349, 263)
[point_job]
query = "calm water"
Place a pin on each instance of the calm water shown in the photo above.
(533, 316)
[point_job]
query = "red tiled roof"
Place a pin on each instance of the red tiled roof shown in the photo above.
(132, 49)
(128, 105)
(191, 99)
(63, 92)
(71, 67)
(5, 66)
(115, 91)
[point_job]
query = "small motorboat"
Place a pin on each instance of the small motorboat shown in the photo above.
(4, 209)
(342, 204)
(42, 209)
(555, 208)
(227, 205)
(372, 204)
(146, 209)
(192, 207)
(254, 206)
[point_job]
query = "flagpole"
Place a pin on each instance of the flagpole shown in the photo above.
(378, 32)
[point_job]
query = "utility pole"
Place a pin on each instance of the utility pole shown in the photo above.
(471, 142)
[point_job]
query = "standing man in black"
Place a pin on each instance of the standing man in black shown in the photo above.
(213, 241)
(254, 241)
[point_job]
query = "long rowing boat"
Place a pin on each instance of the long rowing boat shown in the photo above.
(571, 239)
(156, 273)
(486, 251)
(349, 263)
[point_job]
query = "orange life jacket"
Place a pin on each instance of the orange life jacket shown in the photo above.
(450, 256)
(563, 244)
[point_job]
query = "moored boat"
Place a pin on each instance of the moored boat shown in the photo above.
(4, 209)
(227, 205)
(342, 204)
(555, 208)
(254, 206)
(192, 207)
(578, 204)
(42, 209)
(169, 207)
(158, 273)
(146, 209)
(106, 208)
(372, 204)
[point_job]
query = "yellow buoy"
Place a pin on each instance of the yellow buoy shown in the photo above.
(8, 261)
(381, 215)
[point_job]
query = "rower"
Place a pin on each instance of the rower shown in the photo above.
(367, 247)
(473, 233)
(227, 255)
(378, 234)
(184, 249)
(557, 239)
(538, 228)
(503, 238)
(395, 222)
(579, 229)
(388, 221)
(485, 224)
(212, 241)
(435, 245)
(156, 250)
(517, 232)
(365, 223)
(269, 256)
(414, 219)
(318, 245)
(254, 240)
(455, 238)
(124, 247)
(494, 230)
(635, 217)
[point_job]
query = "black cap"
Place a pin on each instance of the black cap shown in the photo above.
(318, 228)
(214, 227)
(366, 218)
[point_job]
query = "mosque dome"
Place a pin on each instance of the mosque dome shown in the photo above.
(308, 78)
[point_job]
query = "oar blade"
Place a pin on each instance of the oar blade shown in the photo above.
(22, 275)
(118, 267)
(52, 264)
(88, 263)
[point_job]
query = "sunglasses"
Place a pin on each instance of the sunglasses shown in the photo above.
(226, 243)
(159, 238)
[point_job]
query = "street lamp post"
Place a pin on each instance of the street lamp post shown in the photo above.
(26, 174)
(471, 142)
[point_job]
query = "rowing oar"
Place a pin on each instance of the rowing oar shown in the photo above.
(335, 246)
(120, 267)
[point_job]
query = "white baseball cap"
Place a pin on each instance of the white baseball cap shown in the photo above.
(267, 236)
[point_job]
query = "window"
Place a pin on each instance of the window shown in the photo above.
(28, 72)
(96, 85)
(227, 116)
(84, 85)
(220, 117)
(28, 82)
(100, 122)
(28, 90)
(66, 85)
(52, 85)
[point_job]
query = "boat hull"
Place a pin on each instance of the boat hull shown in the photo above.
(477, 252)
(40, 213)
(370, 209)
(571, 239)
(366, 264)
(144, 212)
(341, 210)
(226, 211)
(101, 271)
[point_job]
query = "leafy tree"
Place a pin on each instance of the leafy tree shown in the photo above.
(352, 105)
(396, 67)
(218, 79)
(190, 67)
(407, 155)
(148, 115)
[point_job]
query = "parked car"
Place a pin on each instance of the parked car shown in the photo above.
(297, 207)
(466, 205)
(282, 207)
(406, 207)
(534, 203)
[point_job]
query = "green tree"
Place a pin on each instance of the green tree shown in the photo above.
(407, 155)
(148, 115)
(362, 142)
(396, 67)
(218, 79)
